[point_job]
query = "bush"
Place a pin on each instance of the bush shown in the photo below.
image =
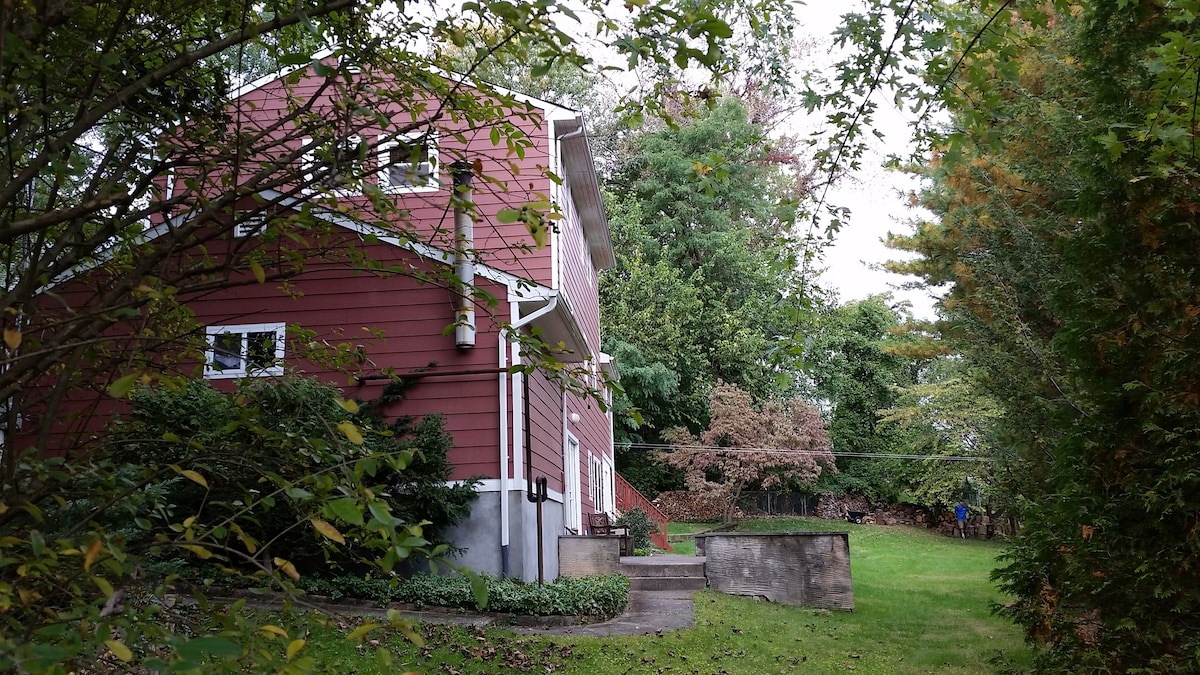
(593, 596)
(640, 527)
(271, 433)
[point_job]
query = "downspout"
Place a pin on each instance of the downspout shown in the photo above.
(503, 456)
(526, 433)
(464, 245)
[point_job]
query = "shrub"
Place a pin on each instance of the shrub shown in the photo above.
(640, 527)
(271, 433)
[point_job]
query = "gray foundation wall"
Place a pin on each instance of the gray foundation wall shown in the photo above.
(480, 535)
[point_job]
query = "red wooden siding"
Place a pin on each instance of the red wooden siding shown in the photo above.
(545, 431)
(578, 278)
(337, 304)
(521, 176)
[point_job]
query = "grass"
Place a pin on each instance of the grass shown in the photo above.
(921, 606)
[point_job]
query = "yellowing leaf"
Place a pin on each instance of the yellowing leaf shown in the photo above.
(274, 630)
(361, 631)
(12, 338)
(327, 530)
(259, 274)
(348, 405)
(200, 551)
(287, 568)
(294, 648)
(193, 476)
(119, 649)
(93, 550)
(347, 427)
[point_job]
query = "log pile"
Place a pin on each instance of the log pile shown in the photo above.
(832, 507)
(684, 506)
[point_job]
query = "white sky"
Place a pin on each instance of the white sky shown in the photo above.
(874, 195)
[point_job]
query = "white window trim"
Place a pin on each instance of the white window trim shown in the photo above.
(383, 162)
(280, 330)
(250, 226)
(596, 490)
(308, 162)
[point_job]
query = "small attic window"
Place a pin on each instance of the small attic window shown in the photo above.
(337, 166)
(409, 163)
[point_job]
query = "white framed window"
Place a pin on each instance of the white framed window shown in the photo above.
(246, 350)
(250, 226)
(596, 488)
(336, 166)
(408, 163)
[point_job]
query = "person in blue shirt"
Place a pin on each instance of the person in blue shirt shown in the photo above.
(960, 513)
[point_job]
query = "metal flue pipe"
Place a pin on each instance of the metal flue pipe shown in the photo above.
(464, 252)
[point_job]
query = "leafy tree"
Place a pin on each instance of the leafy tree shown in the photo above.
(747, 444)
(947, 415)
(854, 367)
(705, 275)
(1064, 189)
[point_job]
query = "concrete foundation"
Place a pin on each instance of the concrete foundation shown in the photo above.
(588, 556)
(480, 536)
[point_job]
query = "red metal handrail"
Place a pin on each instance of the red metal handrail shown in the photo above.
(628, 497)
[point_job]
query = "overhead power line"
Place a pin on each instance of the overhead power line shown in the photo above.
(814, 453)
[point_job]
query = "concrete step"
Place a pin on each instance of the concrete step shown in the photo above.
(667, 583)
(673, 569)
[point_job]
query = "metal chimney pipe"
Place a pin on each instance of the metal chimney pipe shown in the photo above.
(464, 246)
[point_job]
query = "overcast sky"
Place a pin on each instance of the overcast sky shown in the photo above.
(875, 196)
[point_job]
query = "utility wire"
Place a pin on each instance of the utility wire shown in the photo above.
(812, 453)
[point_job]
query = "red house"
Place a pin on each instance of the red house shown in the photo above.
(509, 428)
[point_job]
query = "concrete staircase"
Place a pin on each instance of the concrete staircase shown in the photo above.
(664, 573)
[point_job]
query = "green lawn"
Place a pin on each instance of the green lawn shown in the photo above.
(921, 606)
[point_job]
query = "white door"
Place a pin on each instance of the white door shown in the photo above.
(573, 518)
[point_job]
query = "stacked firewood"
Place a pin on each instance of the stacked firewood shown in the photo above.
(684, 506)
(833, 507)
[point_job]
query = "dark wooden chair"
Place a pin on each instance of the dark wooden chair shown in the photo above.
(600, 526)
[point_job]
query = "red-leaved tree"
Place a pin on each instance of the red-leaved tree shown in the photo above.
(746, 444)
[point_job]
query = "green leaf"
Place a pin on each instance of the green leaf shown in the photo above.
(260, 275)
(200, 648)
(478, 589)
(508, 215)
(122, 386)
(361, 632)
(345, 509)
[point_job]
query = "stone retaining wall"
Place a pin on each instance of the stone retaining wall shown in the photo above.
(793, 568)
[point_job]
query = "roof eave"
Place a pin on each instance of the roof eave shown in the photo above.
(580, 167)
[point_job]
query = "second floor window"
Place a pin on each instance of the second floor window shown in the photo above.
(409, 163)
